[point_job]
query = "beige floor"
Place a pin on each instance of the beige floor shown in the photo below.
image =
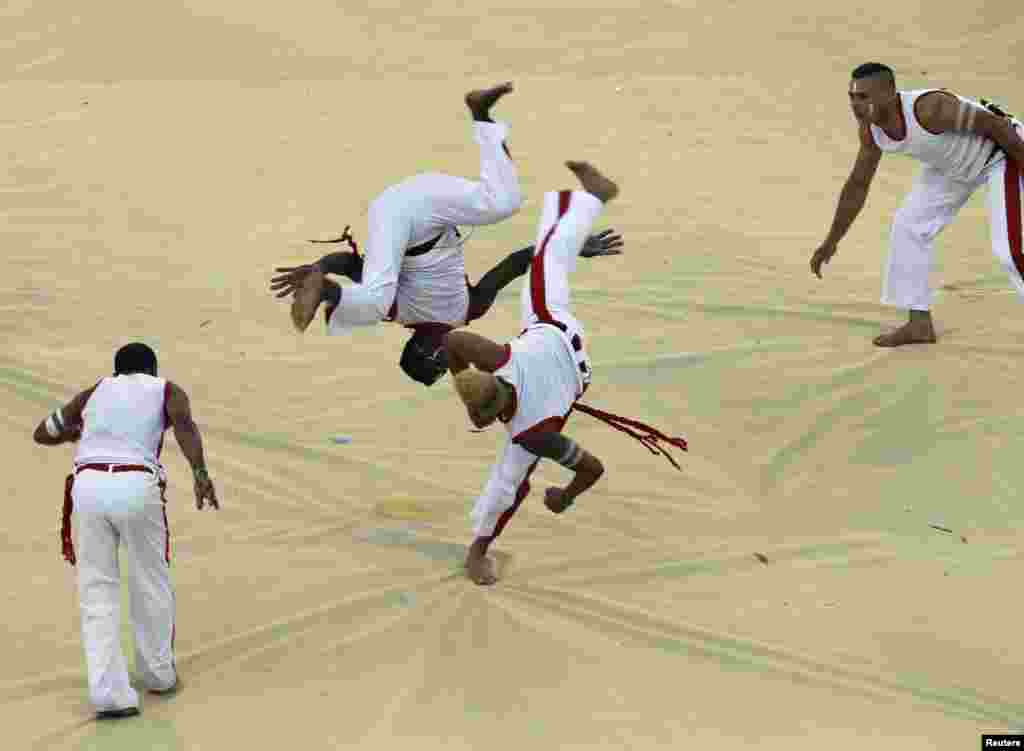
(161, 158)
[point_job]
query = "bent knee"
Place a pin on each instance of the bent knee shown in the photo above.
(912, 226)
(506, 204)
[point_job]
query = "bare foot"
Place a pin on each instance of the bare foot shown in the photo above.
(480, 101)
(912, 332)
(593, 181)
(307, 299)
(480, 569)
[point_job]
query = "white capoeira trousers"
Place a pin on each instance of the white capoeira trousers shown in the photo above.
(566, 218)
(123, 511)
(565, 222)
(930, 206)
(417, 210)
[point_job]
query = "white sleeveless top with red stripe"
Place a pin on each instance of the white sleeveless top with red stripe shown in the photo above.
(544, 375)
(124, 421)
(959, 155)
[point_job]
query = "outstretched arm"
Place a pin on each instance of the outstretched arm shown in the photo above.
(63, 425)
(851, 199)
(483, 294)
(465, 348)
(346, 263)
(558, 447)
(513, 266)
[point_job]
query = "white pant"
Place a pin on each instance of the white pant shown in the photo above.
(565, 222)
(111, 508)
(930, 206)
(419, 209)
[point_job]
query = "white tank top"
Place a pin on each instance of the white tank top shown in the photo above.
(544, 373)
(124, 421)
(960, 156)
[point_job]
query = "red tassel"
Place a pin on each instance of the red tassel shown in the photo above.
(67, 543)
(649, 436)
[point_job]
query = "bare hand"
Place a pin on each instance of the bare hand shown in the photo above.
(607, 243)
(480, 569)
(821, 256)
(556, 500)
(290, 279)
(204, 490)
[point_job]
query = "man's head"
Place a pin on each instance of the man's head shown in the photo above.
(485, 395)
(135, 358)
(872, 92)
(424, 358)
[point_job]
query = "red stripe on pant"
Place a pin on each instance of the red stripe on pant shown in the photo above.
(521, 492)
(167, 539)
(1013, 211)
(537, 295)
(167, 557)
(66, 540)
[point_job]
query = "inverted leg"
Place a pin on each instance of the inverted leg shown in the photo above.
(497, 195)
(565, 223)
(423, 200)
